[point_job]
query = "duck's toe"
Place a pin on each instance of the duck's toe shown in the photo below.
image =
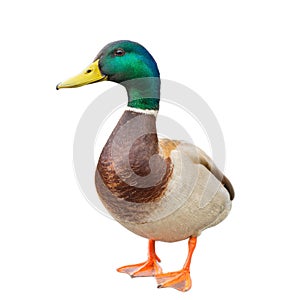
(145, 269)
(180, 280)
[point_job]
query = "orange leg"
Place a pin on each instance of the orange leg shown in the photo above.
(180, 280)
(145, 269)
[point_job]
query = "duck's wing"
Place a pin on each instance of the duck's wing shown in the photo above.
(198, 156)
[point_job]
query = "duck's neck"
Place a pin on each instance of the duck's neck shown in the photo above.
(143, 93)
(130, 164)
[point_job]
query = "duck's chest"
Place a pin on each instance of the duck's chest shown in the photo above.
(131, 174)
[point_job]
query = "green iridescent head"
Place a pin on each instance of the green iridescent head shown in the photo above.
(125, 60)
(129, 64)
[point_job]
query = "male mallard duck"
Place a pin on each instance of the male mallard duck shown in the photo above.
(160, 189)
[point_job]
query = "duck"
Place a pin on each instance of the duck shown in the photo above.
(158, 188)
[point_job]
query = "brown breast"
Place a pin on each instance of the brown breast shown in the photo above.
(130, 169)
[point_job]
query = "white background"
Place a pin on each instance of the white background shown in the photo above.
(242, 57)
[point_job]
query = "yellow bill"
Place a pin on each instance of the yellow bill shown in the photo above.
(89, 75)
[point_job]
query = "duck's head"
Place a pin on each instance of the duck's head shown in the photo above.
(121, 62)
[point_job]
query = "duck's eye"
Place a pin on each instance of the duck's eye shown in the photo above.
(119, 52)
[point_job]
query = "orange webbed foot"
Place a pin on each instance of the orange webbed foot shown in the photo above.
(145, 269)
(180, 280)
